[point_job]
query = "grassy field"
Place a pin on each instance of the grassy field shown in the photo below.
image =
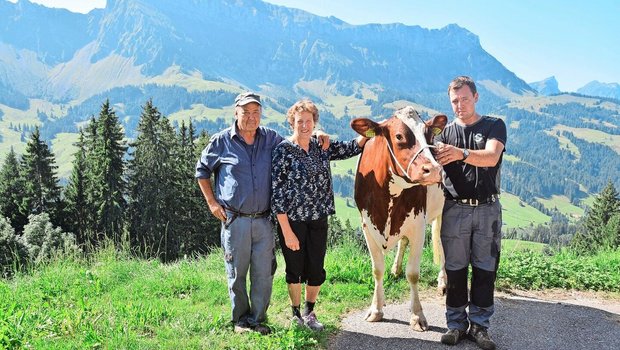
(563, 205)
(519, 214)
(113, 301)
(613, 141)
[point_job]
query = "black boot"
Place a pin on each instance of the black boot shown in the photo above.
(481, 337)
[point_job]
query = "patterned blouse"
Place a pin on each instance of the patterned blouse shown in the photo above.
(301, 182)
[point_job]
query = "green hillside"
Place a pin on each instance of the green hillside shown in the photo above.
(515, 213)
(563, 205)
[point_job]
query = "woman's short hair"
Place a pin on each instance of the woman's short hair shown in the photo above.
(302, 106)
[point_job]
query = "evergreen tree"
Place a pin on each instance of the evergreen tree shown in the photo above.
(154, 187)
(592, 236)
(90, 228)
(612, 232)
(201, 230)
(38, 171)
(107, 167)
(11, 191)
(75, 194)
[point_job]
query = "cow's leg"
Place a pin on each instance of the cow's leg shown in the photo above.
(438, 256)
(397, 267)
(418, 320)
(375, 313)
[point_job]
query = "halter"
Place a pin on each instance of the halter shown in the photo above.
(412, 159)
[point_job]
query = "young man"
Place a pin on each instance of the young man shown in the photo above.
(470, 149)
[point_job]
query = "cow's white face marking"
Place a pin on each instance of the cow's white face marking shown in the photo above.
(411, 118)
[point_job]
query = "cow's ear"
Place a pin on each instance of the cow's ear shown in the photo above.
(437, 123)
(365, 127)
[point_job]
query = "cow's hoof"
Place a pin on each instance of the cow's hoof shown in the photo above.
(374, 316)
(418, 324)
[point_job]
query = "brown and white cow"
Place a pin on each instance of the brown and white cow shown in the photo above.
(397, 192)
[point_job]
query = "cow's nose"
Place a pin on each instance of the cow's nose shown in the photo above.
(432, 174)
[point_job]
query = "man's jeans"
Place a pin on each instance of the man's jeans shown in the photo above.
(249, 246)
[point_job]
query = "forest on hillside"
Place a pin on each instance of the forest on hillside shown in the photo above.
(143, 193)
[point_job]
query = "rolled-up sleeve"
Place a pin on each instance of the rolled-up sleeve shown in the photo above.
(280, 169)
(209, 159)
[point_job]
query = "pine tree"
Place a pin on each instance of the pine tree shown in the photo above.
(41, 189)
(201, 230)
(75, 194)
(154, 187)
(90, 222)
(592, 236)
(11, 191)
(107, 172)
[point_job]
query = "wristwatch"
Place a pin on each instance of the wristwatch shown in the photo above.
(465, 154)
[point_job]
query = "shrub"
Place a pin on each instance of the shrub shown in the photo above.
(12, 252)
(44, 241)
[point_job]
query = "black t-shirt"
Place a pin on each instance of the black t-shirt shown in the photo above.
(463, 180)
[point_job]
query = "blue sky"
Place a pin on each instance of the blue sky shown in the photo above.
(576, 41)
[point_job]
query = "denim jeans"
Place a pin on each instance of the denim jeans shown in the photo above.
(249, 247)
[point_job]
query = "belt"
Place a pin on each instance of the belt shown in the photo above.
(474, 202)
(236, 214)
(256, 215)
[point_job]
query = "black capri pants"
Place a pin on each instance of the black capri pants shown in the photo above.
(306, 265)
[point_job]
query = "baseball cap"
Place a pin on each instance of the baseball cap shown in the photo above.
(245, 98)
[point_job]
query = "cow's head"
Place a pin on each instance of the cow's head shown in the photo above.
(408, 141)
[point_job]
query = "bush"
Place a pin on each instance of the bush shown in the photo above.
(44, 241)
(12, 252)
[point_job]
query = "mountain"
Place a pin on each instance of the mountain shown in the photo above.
(245, 41)
(596, 88)
(546, 87)
(191, 57)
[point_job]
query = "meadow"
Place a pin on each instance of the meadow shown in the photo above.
(114, 301)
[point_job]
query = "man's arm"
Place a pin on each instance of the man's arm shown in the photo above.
(323, 139)
(207, 191)
(487, 157)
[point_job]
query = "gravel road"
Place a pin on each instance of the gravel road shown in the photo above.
(520, 322)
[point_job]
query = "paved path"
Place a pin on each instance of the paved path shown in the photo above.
(518, 323)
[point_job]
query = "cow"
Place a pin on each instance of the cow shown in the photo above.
(396, 192)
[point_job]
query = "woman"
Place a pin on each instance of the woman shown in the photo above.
(302, 198)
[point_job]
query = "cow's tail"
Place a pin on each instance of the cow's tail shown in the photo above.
(438, 257)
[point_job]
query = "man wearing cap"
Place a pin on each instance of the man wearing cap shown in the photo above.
(239, 157)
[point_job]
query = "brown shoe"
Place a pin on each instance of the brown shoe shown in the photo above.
(453, 336)
(481, 337)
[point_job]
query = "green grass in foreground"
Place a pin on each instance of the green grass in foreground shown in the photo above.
(113, 301)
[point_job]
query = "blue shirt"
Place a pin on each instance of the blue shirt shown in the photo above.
(302, 183)
(242, 172)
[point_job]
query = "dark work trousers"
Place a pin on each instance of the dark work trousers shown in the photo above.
(471, 235)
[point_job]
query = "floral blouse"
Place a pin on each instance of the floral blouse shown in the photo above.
(301, 183)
